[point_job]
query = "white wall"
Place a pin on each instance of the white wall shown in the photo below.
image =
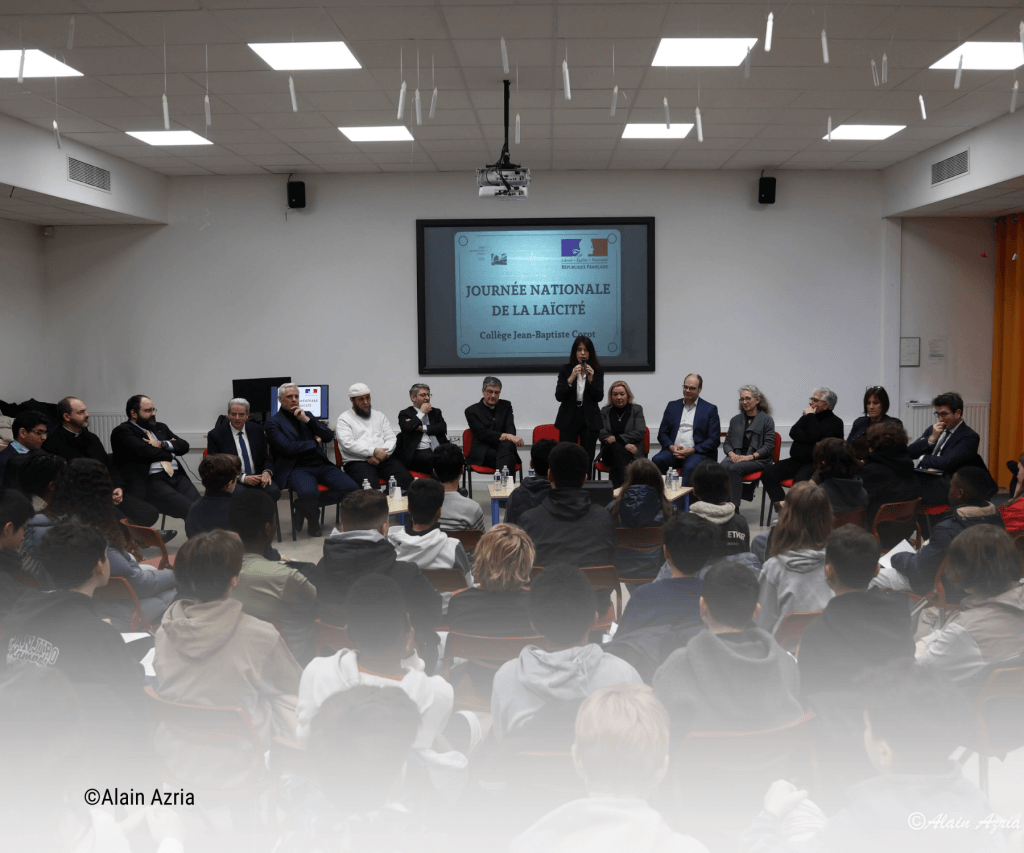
(948, 294)
(23, 353)
(786, 296)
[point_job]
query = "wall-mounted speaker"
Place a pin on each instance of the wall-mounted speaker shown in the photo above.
(766, 191)
(297, 194)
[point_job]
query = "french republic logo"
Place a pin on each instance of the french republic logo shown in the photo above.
(575, 247)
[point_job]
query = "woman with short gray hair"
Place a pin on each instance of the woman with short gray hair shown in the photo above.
(750, 442)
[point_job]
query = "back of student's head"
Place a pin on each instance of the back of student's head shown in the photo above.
(567, 465)
(805, 521)
(710, 482)
(69, 552)
(622, 738)
(730, 592)
(833, 457)
(690, 540)
(364, 509)
(249, 513)
(358, 743)
(985, 560)
(853, 554)
(207, 563)
(426, 497)
(448, 463)
(919, 714)
(39, 472)
(15, 509)
(218, 470)
(376, 617)
(562, 605)
(503, 558)
(540, 454)
(975, 484)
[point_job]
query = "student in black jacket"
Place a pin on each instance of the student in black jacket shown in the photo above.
(579, 390)
(15, 511)
(532, 490)
(888, 475)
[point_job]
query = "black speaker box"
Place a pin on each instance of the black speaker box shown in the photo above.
(297, 194)
(601, 492)
(766, 191)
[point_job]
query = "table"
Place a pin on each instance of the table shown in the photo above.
(399, 507)
(497, 496)
(672, 494)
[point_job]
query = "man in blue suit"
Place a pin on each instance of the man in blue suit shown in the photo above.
(295, 439)
(237, 436)
(690, 431)
(944, 448)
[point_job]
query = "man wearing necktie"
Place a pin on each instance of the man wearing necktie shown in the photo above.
(944, 448)
(147, 454)
(421, 431)
(238, 436)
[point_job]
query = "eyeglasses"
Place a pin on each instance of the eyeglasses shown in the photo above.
(746, 399)
(40, 432)
(943, 415)
(873, 388)
(691, 387)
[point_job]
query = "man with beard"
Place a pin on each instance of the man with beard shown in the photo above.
(367, 442)
(72, 440)
(296, 440)
(146, 453)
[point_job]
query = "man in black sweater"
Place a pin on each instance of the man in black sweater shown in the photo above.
(859, 629)
(15, 511)
(532, 490)
(817, 422)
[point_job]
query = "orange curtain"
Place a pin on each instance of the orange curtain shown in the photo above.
(1007, 436)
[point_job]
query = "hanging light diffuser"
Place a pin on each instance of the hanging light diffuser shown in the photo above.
(768, 33)
(504, 56)
(401, 101)
(419, 113)
(615, 98)
(885, 68)
(959, 71)
(291, 91)
(565, 79)
(874, 72)
(1013, 97)
(824, 47)
(700, 127)
(924, 112)
(668, 121)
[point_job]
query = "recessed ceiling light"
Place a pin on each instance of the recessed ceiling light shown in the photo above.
(307, 55)
(983, 56)
(656, 131)
(387, 133)
(37, 64)
(165, 138)
(865, 131)
(703, 52)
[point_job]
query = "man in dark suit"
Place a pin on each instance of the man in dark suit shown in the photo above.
(296, 439)
(237, 436)
(690, 431)
(147, 454)
(944, 448)
(421, 431)
(30, 429)
(71, 440)
(494, 430)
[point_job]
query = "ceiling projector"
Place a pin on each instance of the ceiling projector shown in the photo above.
(503, 179)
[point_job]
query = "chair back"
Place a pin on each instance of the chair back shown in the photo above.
(490, 652)
(605, 577)
(904, 512)
(543, 431)
(469, 537)
(647, 440)
(118, 589)
(858, 517)
(792, 627)
(777, 450)
(328, 639)
(337, 454)
(640, 538)
(467, 443)
(147, 537)
(446, 580)
(201, 723)
(998, 707)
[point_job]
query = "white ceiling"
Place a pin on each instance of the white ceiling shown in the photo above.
(774, 120)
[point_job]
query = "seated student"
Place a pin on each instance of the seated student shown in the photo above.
(733, 676)
(29, 430)
(457, 512)
(710, 500)
(641, 502)
(888, 475)
(362, 548)
(989, 626)
(15, 511)
(969, 496)
(422, 541)
(793, 578)
(565, 527)
(38, 482)
(563, 609)
(219, 473)
(62, 629)
(912, 722)
(208, 652)
(532, 490)
(836, 471)
(271, 591)
(621, 753)
(1013, 510)
(859, 629)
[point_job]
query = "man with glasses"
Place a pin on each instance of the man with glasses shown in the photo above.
(493, 425)
(944, 448)
(147, 454)
(29, 429)
(818, 421)
(690, 431)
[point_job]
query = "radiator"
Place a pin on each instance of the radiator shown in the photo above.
(102, 423)
(919, 416)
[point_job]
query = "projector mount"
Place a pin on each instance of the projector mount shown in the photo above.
(503, 179)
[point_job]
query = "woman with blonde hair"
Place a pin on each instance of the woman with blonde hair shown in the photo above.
(623, 428)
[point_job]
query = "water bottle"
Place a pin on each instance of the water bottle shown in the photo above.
(393, 489)
(366, 485)
(530, 473)
(497, 480)
(504, 477)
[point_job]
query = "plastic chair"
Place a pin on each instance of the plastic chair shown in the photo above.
(751, 478)
(483, 650)
(468, 537)
(605, 577)
(118, 589)
(639, 538)
(329, 637)
(904, 512)
(858, 517)
(791, 629)
(998, 709)
(600, 466)
(446, 580)
(928, 511)
(467, 472)
(543, 431)
(147, 537)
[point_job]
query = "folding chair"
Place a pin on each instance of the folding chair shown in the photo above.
(599, 466)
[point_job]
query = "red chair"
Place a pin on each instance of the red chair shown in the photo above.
(753, 478)
(467, 474)
(930, 511)
(599, 466)
(544, 431)
(791, 629)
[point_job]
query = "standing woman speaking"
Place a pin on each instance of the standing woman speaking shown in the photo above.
(579, 390)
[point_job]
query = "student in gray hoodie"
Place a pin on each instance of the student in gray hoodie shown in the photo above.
(793, 578)
(562, 609)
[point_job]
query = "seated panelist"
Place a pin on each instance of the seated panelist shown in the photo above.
(421, 430)
(622, 431)
(690, 431)
(493, 425)
(237, 436)
(368, 442)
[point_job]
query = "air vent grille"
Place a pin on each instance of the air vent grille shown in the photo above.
(86, 173)
(951, 167)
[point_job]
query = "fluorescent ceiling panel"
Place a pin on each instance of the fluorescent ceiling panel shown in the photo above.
(37, 64)
(871, 132)
(164, 138)
(983, 56)
(656, 131)
(307, 55)
(387, 133)
(703, 53)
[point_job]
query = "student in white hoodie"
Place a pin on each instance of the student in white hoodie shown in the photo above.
(367, 441)
(422, 541)
(562, 609)
(621, 753)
